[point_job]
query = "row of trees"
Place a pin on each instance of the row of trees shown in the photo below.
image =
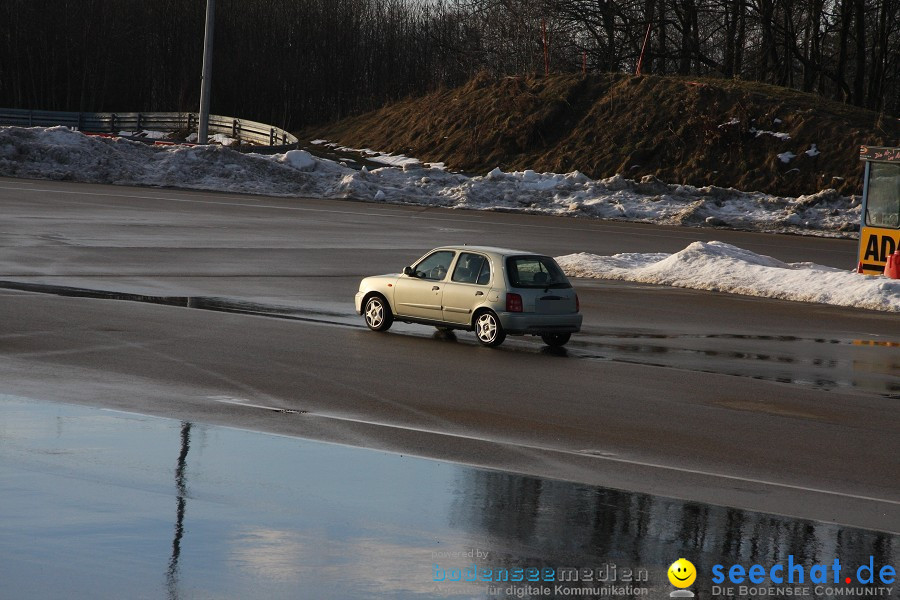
(295, 62)
(847, 50)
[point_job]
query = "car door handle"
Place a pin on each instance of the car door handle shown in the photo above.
(435, 288)
(479, 293)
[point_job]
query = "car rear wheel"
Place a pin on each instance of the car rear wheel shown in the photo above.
(378, 314)
(556, 340)
(488, 329)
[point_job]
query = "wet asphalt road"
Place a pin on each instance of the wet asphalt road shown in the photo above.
(104, 505)
(766, 405)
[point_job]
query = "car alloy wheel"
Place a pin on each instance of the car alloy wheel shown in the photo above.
(489, 330)
(378, 315)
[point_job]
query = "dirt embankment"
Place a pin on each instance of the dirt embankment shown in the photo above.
(682, 130)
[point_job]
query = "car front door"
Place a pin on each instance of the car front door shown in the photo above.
(420, 294)
(468, 287)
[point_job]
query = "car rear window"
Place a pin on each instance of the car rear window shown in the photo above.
(535, 272)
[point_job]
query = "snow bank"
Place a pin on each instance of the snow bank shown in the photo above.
(722, 267)
(650, 200)
(59, 153)
(62, 154)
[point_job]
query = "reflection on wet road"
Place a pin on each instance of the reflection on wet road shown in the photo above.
(823, 363)
(817, 362)
(105, 504)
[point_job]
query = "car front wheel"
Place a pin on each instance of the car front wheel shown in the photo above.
(556, 340)
(378, 314)
(488, 330)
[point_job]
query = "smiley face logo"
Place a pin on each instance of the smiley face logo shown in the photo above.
(682, 573)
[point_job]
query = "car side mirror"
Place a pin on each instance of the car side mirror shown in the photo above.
(409, 271)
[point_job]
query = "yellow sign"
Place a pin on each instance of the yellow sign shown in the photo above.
(875, 245)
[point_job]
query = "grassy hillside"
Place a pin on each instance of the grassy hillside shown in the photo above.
(694, 131)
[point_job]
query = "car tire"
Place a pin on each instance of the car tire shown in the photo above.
(488, 329)
(377, 313)
(556, 340)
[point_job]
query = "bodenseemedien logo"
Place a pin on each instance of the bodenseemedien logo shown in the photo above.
(682, 574)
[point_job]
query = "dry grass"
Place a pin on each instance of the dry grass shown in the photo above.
(674, 128)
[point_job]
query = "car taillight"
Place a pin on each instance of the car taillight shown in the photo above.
(577, 304)
(513, 303)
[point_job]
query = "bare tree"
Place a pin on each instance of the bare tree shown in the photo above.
(294, 62)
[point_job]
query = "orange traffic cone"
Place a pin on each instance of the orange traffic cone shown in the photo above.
(892, 266)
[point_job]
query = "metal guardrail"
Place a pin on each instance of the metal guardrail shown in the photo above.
(251, 135)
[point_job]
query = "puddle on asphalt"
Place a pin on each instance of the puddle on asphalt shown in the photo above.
(828, 364)
(103, 504)
(865, 365)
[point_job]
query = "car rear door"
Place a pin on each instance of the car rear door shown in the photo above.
(468, 287)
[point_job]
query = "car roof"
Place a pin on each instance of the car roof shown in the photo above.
(488, 250)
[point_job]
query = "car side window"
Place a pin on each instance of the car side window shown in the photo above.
(484, 277)
(435, 265)
(469, 268)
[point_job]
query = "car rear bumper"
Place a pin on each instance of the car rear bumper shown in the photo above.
(530, 323)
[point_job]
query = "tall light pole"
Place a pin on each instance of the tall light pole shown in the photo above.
(203, 130)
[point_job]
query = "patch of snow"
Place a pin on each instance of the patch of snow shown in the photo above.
(813, 151)
(733, 121)
(721, 267)
(787, 157)
(393, 160)
(145, 133)
(299, 159)
(385, 158)
(221, 138)
(777, 134)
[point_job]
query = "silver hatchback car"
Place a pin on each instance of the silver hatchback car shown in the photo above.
(491, 291)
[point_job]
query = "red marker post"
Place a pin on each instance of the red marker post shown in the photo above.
(643, 49)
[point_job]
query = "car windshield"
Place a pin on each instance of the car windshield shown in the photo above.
(535, 272)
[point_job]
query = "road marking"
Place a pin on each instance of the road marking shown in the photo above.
(244, 402)
(627, 461)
